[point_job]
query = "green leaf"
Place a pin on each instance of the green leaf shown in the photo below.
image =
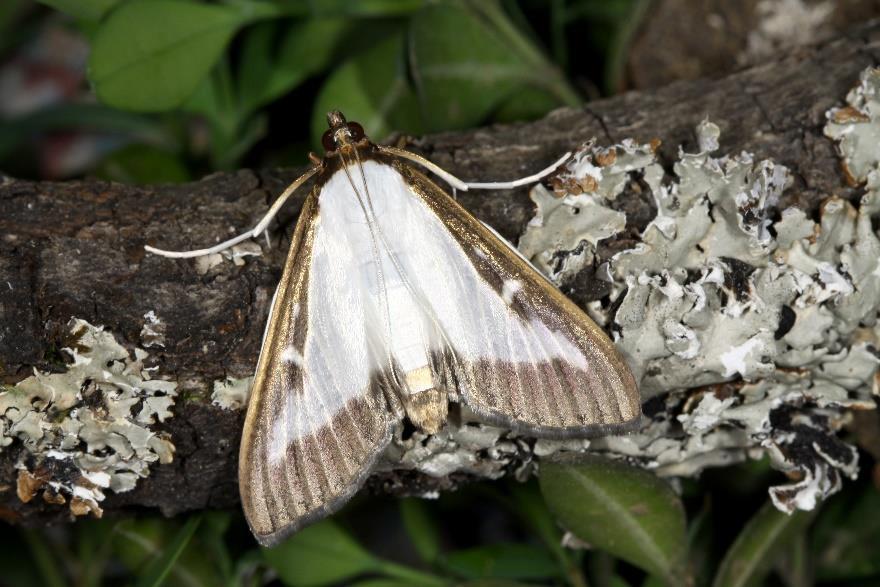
(421, 528)
(382, 583)
(372, 89)
(82, 9)
(529, 505)
(760, 543)
(349, 8)
(621, 509)
(156, 572)
(94, 541)
(150, 55)
(503, 561)
(142, 164)
(528, 104)
(467, 59)
(846, 536)
(494, 583)
(307, 47)
(461, 66)
(701, 542)
(322, 554)
(89, 117)
(44, 560)
(139, 543)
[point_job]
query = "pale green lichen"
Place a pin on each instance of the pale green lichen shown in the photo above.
(855, 127)
(231, 393)
(562, 237)
(89, 428)
(756, 331)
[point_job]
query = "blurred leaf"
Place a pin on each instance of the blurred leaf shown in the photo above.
(652, 581)
(156, 572)
(82, 9)
(233, 132)
(846, 537)
(142, 164)
(622, 509)
(758, 545)
(462, 67)
(11, 14)
(17, 561)
(87, 117)
(139, 543)
(701, 540)
(467, 58)
(320, 555)
(306, 48)
(150, 55)
(503, 561)
(421, 528)
(526, 104)
(340, 8)
(211, 534)
(529, 505)
(372, 89)
(494, 583)
(382, 583)
(93, 547)
(624, 29)
(42, 556)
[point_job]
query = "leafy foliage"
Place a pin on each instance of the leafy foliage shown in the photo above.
(380, 543)
(621, 509)
(243, 67)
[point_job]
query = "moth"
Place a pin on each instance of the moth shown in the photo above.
(394, 302)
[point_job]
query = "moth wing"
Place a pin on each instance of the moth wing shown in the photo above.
(515, 349)
(317, 418)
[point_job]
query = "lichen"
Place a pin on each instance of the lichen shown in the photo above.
(752, 331)
(90, 427)
(153, 331)
(855, 128)
(231, 393)
(562, 237)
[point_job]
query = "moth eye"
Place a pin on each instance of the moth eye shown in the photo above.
(327, 141)
(356, 130)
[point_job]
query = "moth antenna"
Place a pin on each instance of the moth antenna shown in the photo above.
(262, 225)
(280, 200)
(465, 186)
(200, 252)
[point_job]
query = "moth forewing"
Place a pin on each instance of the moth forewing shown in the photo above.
(522, 353)
(310, 435)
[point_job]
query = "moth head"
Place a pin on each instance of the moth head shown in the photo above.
(341, 134)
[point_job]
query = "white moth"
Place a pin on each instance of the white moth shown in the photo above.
(395, 301)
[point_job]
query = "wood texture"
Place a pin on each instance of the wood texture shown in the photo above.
(76, 248)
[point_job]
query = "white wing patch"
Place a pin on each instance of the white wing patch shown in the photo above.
(443, 290)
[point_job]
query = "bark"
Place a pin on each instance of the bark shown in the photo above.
(690, 39)
(76, 248)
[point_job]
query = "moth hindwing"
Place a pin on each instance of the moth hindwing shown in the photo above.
(394, 299)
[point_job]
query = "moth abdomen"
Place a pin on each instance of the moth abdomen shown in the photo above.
(427, 409)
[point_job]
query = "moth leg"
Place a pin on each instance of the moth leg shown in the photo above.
(465, 186)
(261, 226)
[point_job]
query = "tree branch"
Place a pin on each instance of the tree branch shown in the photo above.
(75, 250)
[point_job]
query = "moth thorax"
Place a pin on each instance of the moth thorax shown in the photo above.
(426, 409)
